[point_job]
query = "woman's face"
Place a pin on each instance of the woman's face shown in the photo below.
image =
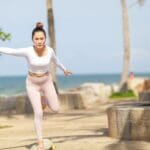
(39, 40)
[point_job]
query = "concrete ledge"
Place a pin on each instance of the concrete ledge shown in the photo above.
(7, 105)
(71, 100)
(129, 121)
(21, 104)
(144, 96)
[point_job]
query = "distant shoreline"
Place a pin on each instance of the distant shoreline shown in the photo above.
(12, 85)
(81, 74)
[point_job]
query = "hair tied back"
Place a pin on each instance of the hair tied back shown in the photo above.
(39, 25)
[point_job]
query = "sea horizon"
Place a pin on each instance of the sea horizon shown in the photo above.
(15, 84)
(102, 73)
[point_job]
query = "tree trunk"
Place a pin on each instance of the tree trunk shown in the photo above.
(51, 32)
(126, 57)
(141, 2)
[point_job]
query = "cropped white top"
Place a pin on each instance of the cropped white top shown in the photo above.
(36, 64)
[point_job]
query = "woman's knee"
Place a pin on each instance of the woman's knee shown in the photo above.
(55, 109)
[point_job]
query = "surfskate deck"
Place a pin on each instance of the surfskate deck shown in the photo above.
(48, 145)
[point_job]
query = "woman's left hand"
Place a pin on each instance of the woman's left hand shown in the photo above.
(67, 73)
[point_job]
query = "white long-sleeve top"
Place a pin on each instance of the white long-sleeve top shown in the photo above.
(36, 64)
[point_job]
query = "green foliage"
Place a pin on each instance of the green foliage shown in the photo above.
(4, 36)
(127, 94)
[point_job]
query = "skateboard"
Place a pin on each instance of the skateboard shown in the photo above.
(48, 145)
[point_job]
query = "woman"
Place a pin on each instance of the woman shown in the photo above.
(39, 77)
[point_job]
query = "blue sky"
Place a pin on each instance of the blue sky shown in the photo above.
(88, 34)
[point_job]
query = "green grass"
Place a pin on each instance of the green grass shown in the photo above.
(123, 95)
(5, 126)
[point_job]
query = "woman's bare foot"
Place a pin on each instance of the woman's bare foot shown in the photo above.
(40, 145)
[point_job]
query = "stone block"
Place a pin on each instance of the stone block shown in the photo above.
(129, 122)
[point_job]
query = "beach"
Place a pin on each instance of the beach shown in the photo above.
(81, 124)
(102, 83)
(70, 130)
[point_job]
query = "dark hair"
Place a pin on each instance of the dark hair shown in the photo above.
(39, 27)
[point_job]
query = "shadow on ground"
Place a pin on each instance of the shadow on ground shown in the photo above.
(127, 145)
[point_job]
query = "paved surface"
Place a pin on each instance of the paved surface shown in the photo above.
(70, 130)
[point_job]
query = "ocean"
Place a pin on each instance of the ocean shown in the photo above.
(12, 85)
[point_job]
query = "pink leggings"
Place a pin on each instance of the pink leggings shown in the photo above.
(34, 87)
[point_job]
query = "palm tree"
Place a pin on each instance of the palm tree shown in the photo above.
(51, 26)
(139, 2)
(126, 38)
(51, 32)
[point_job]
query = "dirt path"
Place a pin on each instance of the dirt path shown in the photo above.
(70, 130)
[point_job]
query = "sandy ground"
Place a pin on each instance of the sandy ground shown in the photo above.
(69, 130)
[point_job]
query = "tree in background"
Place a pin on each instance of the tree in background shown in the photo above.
(51, 32)
(141, 2)
(4, 36)
(126, 38)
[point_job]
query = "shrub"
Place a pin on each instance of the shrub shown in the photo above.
(128, 93)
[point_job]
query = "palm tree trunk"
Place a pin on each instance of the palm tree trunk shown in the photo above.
(141, 2)
(51, 32)
(126, 57)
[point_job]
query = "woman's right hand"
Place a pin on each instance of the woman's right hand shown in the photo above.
(67, 73)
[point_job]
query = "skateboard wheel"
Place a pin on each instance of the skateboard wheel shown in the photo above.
(53, 147)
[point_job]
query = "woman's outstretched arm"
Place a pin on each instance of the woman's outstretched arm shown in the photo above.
(60, 65)
(16, 52)
(56, 61)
